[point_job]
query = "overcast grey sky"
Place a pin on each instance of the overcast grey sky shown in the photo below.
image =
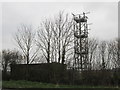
(104, 17)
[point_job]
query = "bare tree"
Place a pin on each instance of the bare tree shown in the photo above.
(102, 54)
(113, 51)
(24, 38)
(62, 34)
(0, 60)
(119, 51)
(55, 37)
(93, 44)
(44, 39)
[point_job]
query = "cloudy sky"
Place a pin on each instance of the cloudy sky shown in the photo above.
(104, 17)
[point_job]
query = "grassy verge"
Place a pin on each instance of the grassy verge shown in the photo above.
(29, 84)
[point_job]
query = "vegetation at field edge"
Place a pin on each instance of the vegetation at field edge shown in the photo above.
(30, 84)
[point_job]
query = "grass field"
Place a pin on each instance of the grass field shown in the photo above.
(29, 84)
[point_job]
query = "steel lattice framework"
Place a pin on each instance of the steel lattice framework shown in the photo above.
(80, 42)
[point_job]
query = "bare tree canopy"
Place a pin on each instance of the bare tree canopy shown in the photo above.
(55, 37)
(25, 39)
(44, 39)
(92, 45)
(103, 54)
